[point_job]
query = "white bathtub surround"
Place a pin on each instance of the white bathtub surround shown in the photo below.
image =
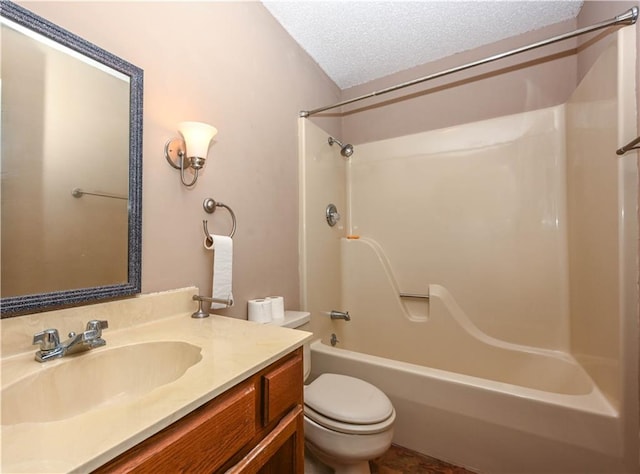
(444, 329)
(523, 232)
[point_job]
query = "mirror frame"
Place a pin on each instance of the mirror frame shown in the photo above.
(17, 305)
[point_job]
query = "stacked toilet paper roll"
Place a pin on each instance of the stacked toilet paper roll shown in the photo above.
(265, 310)
(260, 310)
(277, 307)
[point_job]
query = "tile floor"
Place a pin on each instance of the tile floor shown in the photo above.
(397, 460)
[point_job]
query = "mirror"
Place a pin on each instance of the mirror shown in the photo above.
(71, 168)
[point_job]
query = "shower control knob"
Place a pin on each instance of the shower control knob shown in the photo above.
(332, 215)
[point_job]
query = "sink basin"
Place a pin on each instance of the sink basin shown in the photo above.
(86, 381)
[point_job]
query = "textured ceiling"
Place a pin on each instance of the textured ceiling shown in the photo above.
(356, 41)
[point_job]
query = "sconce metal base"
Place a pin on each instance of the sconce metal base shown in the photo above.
(174, 151)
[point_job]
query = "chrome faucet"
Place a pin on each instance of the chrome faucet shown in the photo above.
(52, 348)
(340, 315)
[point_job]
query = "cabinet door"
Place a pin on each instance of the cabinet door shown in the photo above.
(282, 389)
(280, 452)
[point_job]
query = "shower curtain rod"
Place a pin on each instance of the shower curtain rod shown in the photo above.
(632, 145)
(627, 18)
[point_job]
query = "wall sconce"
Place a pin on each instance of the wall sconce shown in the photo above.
(191, 150)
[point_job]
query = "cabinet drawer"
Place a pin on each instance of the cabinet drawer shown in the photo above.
(201, 442)
(282, 389)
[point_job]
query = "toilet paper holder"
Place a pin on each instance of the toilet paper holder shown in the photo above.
(210, 205)
(203, 313)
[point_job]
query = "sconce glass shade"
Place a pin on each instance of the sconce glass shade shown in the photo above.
(197, 137)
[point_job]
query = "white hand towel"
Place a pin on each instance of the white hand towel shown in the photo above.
(222, 269)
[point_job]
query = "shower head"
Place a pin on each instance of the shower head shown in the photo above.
(346, 150)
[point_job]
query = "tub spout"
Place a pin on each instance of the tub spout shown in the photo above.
(340, 315)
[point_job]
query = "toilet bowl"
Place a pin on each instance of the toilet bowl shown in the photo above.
(347, 421)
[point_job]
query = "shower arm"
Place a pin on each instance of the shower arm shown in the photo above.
(627, 18)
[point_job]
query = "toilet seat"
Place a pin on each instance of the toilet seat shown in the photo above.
(348, 428)
(348, 405)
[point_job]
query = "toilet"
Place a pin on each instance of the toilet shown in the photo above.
(347, 421)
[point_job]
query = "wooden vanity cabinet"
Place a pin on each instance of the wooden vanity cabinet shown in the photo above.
(254, 427)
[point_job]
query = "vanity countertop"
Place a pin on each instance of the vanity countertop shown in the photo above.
(232, 350)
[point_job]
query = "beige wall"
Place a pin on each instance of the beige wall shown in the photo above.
(525, 82)
(231, 65)
(590, 46)
(529, 81)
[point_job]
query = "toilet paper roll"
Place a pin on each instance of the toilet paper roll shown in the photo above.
(208, 242)
(277, 307)
(259, 310)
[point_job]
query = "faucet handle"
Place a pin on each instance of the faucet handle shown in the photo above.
(48, 339)
(97, 326)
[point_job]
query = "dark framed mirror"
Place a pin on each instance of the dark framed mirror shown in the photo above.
(71, 168)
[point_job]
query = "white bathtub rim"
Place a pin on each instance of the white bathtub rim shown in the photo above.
(593, 402)
(583, 421)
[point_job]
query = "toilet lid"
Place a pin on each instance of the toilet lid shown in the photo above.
(347, 399)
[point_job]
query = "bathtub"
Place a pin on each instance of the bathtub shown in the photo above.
(491, 425)
(462, 395)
